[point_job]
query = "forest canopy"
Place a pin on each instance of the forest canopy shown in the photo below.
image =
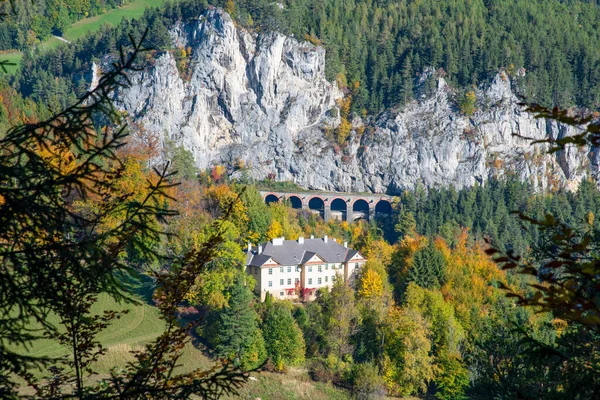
(549, 48)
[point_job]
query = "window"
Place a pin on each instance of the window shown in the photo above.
(356, 265)
(281, 282)
(310, 268)
(297, 281)
(320, 267)
(310, 281)
(326, 267)
(270, 283)
(289, 281)
(280, 269)
(326, 279)
(319, 281)
(332, 278)
(281, 294)
(270, 271)
(289, 269)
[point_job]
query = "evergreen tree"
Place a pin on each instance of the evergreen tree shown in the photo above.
(239, 337)
(428, 267)
(283, 338)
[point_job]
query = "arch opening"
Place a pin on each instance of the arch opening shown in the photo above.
(383, 208)
(271, 198)
(360, 209)
(339, 210)
(295, 202)
(316, 205)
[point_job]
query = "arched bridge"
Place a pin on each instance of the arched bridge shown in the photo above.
(340, 206)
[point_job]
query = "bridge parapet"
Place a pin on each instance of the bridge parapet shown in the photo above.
(347, 206)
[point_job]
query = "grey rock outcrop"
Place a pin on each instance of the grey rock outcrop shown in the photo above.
(264, 100)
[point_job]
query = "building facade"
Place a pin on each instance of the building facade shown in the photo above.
(296, 269)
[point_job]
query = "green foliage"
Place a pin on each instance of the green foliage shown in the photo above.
(238, 337)
(382, 45)
(406, 224)
(453, 380)
(467, 103)
(27, 22)
(428, 267)
(283, 339)
(83, 211)
(182, 161)
(342, 318)
(366, 381)
(486, 211)
(446, 332)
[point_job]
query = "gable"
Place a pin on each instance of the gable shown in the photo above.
(270, 263)
(357, 257)
(316, 259)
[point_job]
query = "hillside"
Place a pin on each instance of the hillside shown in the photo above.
(263, 101)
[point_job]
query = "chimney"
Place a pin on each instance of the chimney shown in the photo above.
(278, 241)
(260, 249)
(301, 240)
(325, 238)
(312, 236)
(249, 247)
(346, 244)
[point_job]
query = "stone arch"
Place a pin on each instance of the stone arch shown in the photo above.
(339, 209)
(316, 205)
(383, 207)
(295, 201)
(271, 198)
(360, 209)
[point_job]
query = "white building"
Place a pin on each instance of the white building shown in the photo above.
(292, 269)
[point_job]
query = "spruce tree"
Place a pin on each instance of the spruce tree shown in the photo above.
(239, 337)
(428, 268)
(283, 339)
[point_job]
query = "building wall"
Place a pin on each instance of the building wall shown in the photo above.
(315, 274)
(280, 280)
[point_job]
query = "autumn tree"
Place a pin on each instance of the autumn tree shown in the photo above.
(57, 260)
(342, 318)
(408, 366)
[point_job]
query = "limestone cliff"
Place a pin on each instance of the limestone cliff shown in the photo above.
(264, 99)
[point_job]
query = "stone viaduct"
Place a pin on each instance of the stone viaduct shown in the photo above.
(340, 206)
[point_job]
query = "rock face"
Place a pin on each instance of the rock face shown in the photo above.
(262, 101)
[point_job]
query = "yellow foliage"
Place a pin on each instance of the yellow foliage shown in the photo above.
(343, 131)
(275, 230)
(58, 157)
(230, 7)
(469, 272)
(380, 250)
(371, 284)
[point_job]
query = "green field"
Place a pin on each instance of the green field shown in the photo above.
(81, 28)
(131, 332)
(113, 17)
(13, 58)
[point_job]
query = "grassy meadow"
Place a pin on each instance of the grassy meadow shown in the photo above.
(132, 331)
(82, 27)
